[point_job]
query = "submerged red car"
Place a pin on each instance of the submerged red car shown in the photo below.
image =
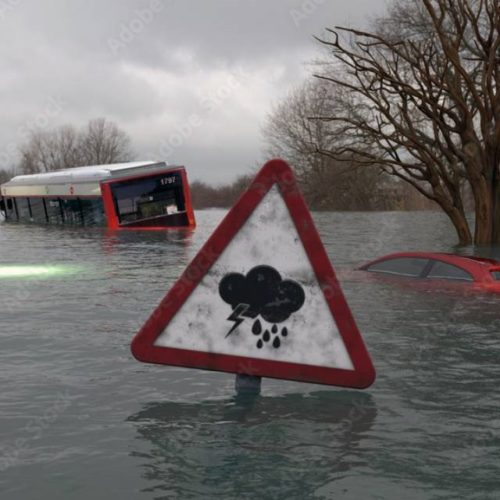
(480, 272)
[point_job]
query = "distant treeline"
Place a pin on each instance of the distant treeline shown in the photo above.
(205, 196)
(340, 192)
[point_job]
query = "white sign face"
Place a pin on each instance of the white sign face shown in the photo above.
(261, 299)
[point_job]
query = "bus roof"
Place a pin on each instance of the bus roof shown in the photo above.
(92, 173)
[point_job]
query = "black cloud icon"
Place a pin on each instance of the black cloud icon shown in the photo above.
(264, 292)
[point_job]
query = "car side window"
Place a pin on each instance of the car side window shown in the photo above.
(402, 266)
(442, 270)
(496, 275)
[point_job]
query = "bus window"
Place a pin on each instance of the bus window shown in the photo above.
(148, 197)
(92, 212)
(10, 209)
(38, 210)
(54, 211)
(72, 212)
(23, 209)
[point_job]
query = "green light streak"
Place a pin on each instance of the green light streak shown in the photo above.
(36, 271)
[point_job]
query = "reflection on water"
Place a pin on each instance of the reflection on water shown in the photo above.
(179, 237)
(289, 443)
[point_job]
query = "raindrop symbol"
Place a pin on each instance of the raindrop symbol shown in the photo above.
(276, 342)
(274, 329)
(284, 331)
(259, 343)
(257, 328)
(266, 336)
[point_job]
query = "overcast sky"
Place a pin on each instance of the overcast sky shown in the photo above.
(191, 81)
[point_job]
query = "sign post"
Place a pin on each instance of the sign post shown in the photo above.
(260, 298)
(247, 384)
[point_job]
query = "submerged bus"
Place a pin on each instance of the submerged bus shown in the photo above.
(119, 196)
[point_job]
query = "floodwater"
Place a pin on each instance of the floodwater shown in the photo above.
(81, 419)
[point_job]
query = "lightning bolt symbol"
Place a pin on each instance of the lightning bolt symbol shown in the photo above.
(237, 316)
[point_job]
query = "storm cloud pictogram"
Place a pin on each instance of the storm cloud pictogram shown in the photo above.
(262, 291)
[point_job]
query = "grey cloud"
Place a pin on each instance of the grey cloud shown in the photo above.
(170, 58)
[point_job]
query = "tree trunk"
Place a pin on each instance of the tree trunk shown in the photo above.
(461, 226)
(496, 210)
(483, 212)
(452, 204)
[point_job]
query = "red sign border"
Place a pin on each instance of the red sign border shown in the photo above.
(273, 172)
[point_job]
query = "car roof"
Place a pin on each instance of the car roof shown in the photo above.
(467, 262)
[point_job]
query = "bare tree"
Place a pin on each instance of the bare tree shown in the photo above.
(48, 150)
(422, 94)
(292, 134)
(103, 142)
(100, 142)
(4, 176)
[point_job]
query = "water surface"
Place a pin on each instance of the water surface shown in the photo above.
(80, 418)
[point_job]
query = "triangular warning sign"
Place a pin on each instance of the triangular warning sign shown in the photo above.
(261, 298)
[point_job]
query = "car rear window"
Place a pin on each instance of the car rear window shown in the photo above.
(441, 270)
(496, 275)
(401, 266)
